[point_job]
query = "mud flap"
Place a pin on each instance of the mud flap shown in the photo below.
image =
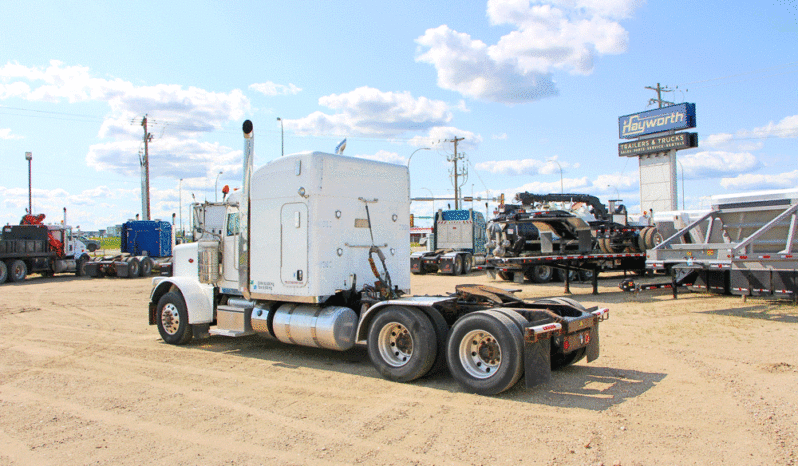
(593, 346)
(122, 269)
(537, 362)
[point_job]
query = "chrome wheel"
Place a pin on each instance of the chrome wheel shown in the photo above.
(480, 354)
(170, 319)
(395, 344)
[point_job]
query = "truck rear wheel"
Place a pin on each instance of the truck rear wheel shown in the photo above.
(172, 318)
(560, 360)
(145, 267)
(133, 268)
(485, 352)
(402, 343)
(468, 262)
(3, 272)
(18, 271)
(458, 265)
(540, 274)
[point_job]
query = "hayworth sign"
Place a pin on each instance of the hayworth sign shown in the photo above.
(655, 147)
(680, 116)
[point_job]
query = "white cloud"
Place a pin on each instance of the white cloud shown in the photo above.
(759, 181)
(548, 36)
(501, 137)
(272, 89)
(5, 133)
(786, 128)
(385, 156)
(710, 164)
(525, 167)
(369, 111)
(177, 117)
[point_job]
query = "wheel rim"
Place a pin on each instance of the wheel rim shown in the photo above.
(543, 272)
(395, 344)
(480, 354)
(170, 319)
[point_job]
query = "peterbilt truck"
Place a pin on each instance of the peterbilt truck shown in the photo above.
(313, 250)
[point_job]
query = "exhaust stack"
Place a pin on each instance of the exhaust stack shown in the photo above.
(243, 213)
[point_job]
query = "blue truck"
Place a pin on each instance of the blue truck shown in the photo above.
(457, 244)
(145, 245)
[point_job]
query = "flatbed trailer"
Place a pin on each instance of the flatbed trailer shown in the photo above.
(516, 269)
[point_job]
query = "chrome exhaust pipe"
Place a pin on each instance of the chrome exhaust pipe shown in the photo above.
(243, 213)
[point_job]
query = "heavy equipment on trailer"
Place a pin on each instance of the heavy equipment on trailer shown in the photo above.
(746, 245)
(145, 246)
(458, 244)
(33, 246)
(569, 236)
(313, 251)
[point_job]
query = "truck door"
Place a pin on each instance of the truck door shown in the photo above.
(230, 252)
(294, 244)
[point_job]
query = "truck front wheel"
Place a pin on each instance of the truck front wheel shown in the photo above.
(402, 343)
(3, 272)
(18, 271)
(485, 352)
(172, 318)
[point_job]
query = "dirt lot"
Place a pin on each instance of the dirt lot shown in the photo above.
(84, 380)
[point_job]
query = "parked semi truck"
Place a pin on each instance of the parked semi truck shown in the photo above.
(145, 245)
(313, 251)
(458, 243)
(33, 246)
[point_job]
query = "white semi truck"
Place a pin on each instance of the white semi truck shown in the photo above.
(314, 250)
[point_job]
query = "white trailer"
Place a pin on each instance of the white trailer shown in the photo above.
(314, 251)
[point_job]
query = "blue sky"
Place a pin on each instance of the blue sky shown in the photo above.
(528, 84)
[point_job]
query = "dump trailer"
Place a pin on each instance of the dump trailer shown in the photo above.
(746, 245)
(458, 238)
(34, 247)
(145, 247)
(313, 251)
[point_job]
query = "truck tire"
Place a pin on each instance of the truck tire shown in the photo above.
(560, 360)
(485, 352)
(540, 273)
(133, 268)
(18, 271)
(468, 262)
(402, 343)
(172, 319)
(80, 266)
(3, 272)
(458, 265)
(560, 274)
(145, 267)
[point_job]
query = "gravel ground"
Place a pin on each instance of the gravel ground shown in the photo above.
(84, 380)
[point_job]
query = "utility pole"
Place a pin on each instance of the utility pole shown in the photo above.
(29, 157)
(659, 100)
(454, 159)
(145, 173)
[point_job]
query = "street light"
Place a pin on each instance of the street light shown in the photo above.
(558, 164)
(282, 140)
(180, 201)
(216, 189)
(29, 157)
(411, 155)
